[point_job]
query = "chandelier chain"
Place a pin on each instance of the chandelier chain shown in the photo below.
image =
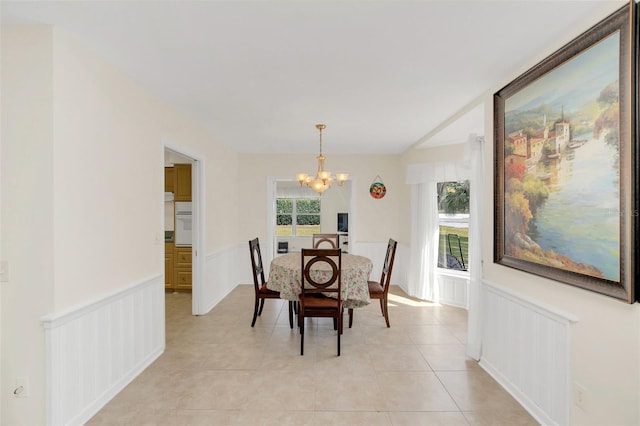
(320, 128)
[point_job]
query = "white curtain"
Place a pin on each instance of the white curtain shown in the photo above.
(424, 222)
(474, 318)
(424, 230)
(424, 241)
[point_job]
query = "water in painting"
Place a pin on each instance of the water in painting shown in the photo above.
(562, 174)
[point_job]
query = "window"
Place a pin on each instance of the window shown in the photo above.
(297, 217)
(453, 213)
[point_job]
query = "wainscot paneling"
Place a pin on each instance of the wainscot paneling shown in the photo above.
(92, 352)
(225, 269)
(526, 348)
(377, 252)
(453, 288)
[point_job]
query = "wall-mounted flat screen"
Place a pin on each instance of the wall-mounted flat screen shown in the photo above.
(343, 222)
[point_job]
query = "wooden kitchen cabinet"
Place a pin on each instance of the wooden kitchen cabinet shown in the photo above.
(169, 271)
(169, 179)
(182, 182)
(177, 260)
(182, 266)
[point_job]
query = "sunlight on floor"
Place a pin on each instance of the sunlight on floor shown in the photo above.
(400, 300)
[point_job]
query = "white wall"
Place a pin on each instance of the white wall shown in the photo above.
(27, 216)
(110, 171)
(373, 220)
(85, 220)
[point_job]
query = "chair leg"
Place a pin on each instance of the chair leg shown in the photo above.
(291, 314)
(350, 317)
(381, 306)
(301, 321)
(339, 332)
(261, 306)
(386, 312)
(255, 312)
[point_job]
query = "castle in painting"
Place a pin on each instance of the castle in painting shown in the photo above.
(529, 149)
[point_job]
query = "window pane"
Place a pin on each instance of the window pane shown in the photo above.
(297, 217)
(284, 205)
(310, 205)
(453, 248)
(308, 219)
(284, 230)
(453, 197)
(307, 225)
(453, 207)
(284, 219)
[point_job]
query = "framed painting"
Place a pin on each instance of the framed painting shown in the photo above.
(565, 193)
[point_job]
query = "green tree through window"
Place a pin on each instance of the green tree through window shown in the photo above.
(297, 217)
(453, 212)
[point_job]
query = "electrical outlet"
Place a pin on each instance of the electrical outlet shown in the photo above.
(579, 396)
(22, 387)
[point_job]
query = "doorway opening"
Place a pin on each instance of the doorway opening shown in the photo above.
(183, 222)
(295, 212)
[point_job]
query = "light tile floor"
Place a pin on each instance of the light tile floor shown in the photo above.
(217, 370)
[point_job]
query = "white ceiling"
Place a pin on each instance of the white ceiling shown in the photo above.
(382, 75)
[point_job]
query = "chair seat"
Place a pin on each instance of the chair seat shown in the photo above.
(375, 288)
(322, 302)
(265, 292)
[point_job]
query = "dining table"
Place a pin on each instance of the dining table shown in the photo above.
(285, 273)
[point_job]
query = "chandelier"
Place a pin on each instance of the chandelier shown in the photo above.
(323, 179)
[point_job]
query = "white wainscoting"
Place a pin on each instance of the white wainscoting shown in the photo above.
(92, 352)
(526, 348)
(453, 288)
(377, 252)
(224, 270)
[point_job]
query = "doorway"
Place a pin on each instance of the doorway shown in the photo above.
(183, 263)
(336, 200)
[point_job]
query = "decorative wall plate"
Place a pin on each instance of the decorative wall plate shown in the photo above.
(377, 188)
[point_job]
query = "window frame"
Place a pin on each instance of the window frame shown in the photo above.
(295, 214)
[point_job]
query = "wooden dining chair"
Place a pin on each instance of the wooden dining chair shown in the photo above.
(332, 239)
(320, 292)
(380, 290)
(260, 285)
